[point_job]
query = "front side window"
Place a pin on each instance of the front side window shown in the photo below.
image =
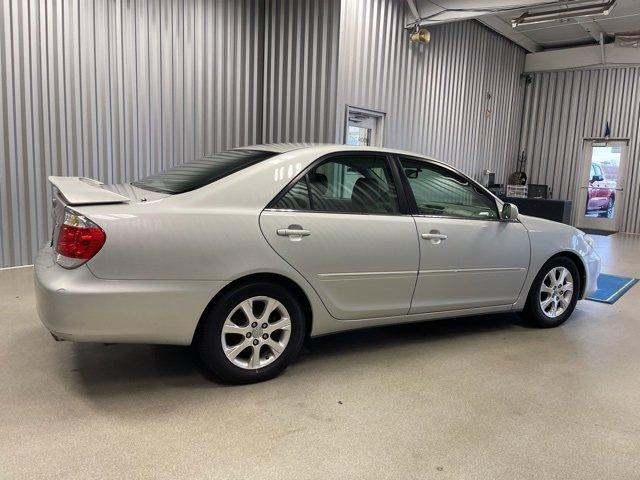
(349, 184)
(441, 192)
(193, 175)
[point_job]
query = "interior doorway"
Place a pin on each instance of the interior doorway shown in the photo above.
(602, 182)
(364, 127)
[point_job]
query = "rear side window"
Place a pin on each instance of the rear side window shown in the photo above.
(197, 174)
(344, 184)
(297, 198)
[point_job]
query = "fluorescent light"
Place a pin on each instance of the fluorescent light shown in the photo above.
(550, 15)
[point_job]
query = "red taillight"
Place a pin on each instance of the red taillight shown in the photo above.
(79, 240)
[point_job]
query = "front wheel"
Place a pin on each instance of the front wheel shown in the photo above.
(252, 333)
(554, 293)
(610, 207)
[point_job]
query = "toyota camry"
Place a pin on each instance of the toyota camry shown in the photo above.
(245, 253)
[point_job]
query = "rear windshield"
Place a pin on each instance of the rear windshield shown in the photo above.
(196, 174)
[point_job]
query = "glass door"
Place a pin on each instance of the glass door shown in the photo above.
(602, 185)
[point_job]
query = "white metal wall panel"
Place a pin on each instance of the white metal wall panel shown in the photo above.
(458, 99)
(115, 90)
(301, 65)
(562, 109)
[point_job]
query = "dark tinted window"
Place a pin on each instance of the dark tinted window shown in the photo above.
(193, 175)
(297, 198)
(349, 184)
(353, 183)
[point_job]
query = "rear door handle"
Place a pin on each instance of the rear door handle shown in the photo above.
(292, 232)
(434, 236)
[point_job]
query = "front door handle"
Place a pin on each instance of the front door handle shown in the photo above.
(293, 232)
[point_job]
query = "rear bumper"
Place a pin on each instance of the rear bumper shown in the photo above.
(75, 305)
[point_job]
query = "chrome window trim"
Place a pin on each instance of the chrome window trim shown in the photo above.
(290, 210)
(423, 215)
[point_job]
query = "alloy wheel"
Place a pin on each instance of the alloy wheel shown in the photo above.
(256, 332)
(556, 292)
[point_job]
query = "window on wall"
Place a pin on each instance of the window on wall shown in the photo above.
(346, 184)
(364, 127)
(441, 192)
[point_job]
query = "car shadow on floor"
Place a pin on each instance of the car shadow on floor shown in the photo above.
(113, 369)
(392, 336)
(100, 364)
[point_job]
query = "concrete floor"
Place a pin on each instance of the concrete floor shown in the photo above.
(483, 397)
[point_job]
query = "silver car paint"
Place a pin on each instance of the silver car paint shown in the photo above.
(362, 266)
(166, 257)
(466, 269)
(551, 238)
(85, 191)
(75, 305)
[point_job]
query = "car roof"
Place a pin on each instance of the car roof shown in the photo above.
(280, 148)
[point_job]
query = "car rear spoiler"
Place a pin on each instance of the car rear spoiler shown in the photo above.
(85, 191)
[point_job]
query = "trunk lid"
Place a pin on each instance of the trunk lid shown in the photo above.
(79, 191)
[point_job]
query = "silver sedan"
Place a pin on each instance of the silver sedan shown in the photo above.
(244, 253)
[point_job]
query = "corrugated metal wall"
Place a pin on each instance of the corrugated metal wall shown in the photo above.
(564, 108)
(301, 45)
(115, 90)
(458, 99)
(118, 89)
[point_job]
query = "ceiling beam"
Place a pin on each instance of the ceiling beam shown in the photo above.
(504, 28)
(414, 9)
(582, 57)
(591, 27)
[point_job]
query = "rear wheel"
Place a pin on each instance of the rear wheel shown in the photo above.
(554, 293)
(252, 333)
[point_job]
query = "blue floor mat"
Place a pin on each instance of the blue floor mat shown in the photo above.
(611, 288)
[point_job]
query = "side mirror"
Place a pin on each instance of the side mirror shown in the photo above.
(509, 212)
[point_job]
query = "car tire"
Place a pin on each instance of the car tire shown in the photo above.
(227, 327)
(610, 207)
(544, 293)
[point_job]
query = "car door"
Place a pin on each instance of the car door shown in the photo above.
(592, 197)
(340, 226)
(469, 258)
(600, 186)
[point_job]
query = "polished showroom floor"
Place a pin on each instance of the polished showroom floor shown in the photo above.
(482, 397)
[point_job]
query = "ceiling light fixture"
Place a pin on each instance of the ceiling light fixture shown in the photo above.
(572, 12)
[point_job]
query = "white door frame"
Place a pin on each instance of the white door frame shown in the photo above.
(580, 200)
